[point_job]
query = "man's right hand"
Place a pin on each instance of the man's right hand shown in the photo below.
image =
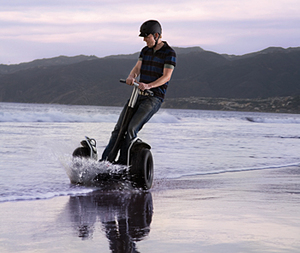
(130, 80)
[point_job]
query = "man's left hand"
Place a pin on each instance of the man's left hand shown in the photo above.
(144, 86)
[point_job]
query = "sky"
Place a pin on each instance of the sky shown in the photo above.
(36, 29)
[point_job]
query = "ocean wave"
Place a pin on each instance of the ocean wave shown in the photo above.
(57, 116)
(223, 171)
(281, 120)
(164, 117)
(73, 191)
(54, 117)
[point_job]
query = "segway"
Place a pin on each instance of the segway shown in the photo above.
(139, 157)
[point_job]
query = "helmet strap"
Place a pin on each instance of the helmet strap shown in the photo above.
(156, 41)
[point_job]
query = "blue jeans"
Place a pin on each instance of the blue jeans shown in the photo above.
(144, 109)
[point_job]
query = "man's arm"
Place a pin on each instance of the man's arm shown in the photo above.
(134, 73)
(167, 74)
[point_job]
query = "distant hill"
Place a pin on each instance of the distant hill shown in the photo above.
(88, 80)
(56, 61)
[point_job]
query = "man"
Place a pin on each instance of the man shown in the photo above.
(154, 68)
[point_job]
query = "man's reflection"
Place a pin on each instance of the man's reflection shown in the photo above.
(125, 217)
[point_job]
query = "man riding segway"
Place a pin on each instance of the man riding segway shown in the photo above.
(154, 68)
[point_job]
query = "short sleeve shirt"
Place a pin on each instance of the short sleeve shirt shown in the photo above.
(153, 64)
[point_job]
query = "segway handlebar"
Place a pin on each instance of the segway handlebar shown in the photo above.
(146, 92)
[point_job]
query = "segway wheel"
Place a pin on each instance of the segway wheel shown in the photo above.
(141, 169)
(82, 152)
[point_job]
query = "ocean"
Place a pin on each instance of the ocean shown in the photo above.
(37, 141)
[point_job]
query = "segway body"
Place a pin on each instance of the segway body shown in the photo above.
(139, 158)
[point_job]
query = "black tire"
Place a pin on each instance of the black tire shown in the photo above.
(140, 211)
(141, 170)
(81, 152)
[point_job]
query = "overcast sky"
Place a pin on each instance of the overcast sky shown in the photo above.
(35, 29)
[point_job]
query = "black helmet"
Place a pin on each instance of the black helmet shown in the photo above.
(150, 27)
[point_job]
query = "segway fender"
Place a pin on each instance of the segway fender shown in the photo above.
(136, 146)
(139, 144)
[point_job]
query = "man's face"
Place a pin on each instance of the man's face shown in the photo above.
(150, 40)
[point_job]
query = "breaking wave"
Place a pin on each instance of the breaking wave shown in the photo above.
(280, 120)
(72, 115)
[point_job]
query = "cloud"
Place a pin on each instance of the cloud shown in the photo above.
(221, 25)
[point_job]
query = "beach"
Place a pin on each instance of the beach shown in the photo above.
(247, 211)
(223, 182)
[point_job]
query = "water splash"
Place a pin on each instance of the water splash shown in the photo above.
(90, 172)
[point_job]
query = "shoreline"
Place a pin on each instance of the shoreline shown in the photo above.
(248, 211)
(288, 104)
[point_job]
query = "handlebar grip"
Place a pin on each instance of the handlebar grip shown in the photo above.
(136, 84)
(124, 81)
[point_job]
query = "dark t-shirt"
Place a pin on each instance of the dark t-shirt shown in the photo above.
(153, 64)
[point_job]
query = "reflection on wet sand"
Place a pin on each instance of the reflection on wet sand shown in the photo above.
(125, 217)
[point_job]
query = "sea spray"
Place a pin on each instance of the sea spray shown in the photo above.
(86, 171)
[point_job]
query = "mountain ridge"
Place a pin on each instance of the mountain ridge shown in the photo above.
(89, 80)
(65, 60)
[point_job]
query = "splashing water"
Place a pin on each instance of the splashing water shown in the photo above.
(84, 171)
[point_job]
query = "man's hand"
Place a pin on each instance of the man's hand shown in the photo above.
(130, 80)
(144, 86)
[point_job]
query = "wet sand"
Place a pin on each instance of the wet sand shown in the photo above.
(253, 211)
